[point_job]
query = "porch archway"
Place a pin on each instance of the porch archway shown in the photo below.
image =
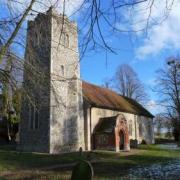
(121, 134)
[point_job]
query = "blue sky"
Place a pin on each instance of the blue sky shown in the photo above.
(96, 68)
(144, 51)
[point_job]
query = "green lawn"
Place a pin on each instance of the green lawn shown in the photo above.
(106, 164)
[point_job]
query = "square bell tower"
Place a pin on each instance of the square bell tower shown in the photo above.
(53, 121)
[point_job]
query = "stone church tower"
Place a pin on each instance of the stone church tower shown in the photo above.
(52, 112)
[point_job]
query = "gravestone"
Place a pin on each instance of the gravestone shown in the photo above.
(133, 143)
(83, 170)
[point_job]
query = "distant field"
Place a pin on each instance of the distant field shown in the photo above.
(106, 164)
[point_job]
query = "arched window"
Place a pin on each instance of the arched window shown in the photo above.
(102, 139)
(33, 116)
(140, 129)
(130, 127)
(36, 39)
(149, 129)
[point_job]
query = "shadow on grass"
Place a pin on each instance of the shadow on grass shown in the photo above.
(10, 159)
(29, 175)
(106, 164)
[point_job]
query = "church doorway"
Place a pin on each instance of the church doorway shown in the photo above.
(121, 134)
(121, 140)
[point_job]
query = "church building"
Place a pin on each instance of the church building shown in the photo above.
(60, 112)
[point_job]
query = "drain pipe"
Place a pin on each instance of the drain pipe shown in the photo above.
(135, 121)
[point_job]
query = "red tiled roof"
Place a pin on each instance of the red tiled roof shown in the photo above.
(105, 98)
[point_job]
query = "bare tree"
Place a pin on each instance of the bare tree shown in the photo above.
(98, 22)
(168, 86)
(159, 123)
(127, 83)
(162, 123)
(10, 72)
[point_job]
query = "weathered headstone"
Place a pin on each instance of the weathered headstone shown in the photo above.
(83, 170)
(133, 143)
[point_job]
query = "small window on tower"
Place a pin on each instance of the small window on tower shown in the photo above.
(65, 39)
(149, 129)
(62, 70)
(36, 119)
(36, 40)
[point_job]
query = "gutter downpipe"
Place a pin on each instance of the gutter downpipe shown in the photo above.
(91, 135)
(135, 118)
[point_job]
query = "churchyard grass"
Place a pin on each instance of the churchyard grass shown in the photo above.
(106, 164)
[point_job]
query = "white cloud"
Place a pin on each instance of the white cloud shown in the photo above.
(154, 107)
(162, 36)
